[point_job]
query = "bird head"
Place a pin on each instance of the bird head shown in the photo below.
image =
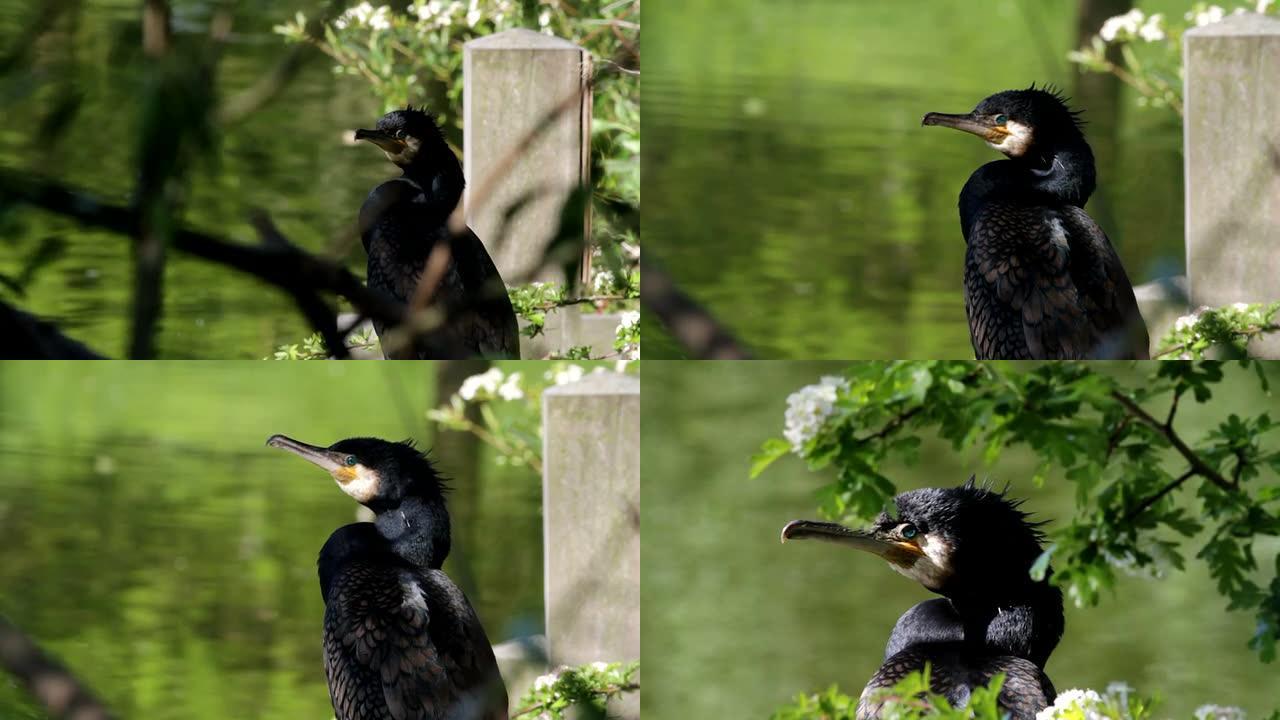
(378, 474)
(1016, 122)
(406, 136)
(950, 540)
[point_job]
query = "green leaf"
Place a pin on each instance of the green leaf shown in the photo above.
(771, 450)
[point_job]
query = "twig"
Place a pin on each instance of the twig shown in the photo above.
(607, 691)
(46, 679)
(1246, 334)
(691, 325)
(277, 262)
(891, 427)
(1155, 498)
(1197, 463)
(1114, 440)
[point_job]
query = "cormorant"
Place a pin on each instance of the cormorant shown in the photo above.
(975, 548)
(404, 220)
(1041, 280)
(401, 641)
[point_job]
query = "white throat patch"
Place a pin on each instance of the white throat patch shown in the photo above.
(362, 484)
(1017, 142)
(407, 154)
(934, 567)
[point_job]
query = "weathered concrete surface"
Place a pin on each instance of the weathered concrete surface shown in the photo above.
(521, 661)
(513, 80)
(1232, 148)
(1161, 303)
(591, 522)
(570, 327)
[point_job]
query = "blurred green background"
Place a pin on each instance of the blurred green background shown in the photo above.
(735, 623)
(792, 191)
(287, 158)
(150, 540)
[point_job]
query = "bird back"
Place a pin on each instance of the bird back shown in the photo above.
(406, 645)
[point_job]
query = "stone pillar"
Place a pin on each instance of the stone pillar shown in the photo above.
(591, 522)
(1232, 149)
(514, 81)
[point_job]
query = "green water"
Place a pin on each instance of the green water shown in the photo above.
(735, 623)
(288, 159)
(792, 191)
(150, 540)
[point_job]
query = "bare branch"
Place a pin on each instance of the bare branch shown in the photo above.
(691, 325)
(46, 679)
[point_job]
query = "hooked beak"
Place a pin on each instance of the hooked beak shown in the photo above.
(984, 126)
(325, 458)
(386, 141)
(896, 551)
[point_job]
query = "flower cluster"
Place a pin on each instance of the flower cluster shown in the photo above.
(1219, 712)
(627, 336)
(365, 15)
(491, 384)
(591, 684)
(1117, 702)
(1156, 74)
(1226, 330)
(1133, 24)
(808, 408)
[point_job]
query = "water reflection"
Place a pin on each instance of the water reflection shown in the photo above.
(149, 540)
(287, 158)
(793, 192)
(742, 623)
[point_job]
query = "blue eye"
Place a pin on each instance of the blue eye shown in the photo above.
(909, 531)
(1002, 119)
(351, 460)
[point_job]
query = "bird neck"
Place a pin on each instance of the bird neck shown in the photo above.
(1024, 619)
(1061, 174)
(417, 530)
(439, 175)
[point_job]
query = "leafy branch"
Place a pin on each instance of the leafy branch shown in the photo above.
(1132, 466)
(591, 685)
(1228, 330)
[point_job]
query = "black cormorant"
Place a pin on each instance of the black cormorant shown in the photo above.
(401, 641)
(404, 220)
(1041, 280)
(975, 548)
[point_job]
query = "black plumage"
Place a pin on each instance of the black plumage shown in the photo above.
(975, 548)
(405, 220)
(401, 641)
(1041, 279)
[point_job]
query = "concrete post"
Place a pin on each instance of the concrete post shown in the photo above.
(1232, 149)
(591, 523)
(514, 81)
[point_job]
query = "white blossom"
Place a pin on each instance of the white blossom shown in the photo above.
(1122, 26)
(808, 408)
(631, 318)
(484, 384)
(381, 18)
(1151, 30)
(544, 19)
(1120, 690)
(1208, 16)
(599, 666)
(1184, 322)
(566, 375)
(510, 388)
(1219, 712)
(1239, 307)
(1075, 703)
(544, 681)
(603, 281)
